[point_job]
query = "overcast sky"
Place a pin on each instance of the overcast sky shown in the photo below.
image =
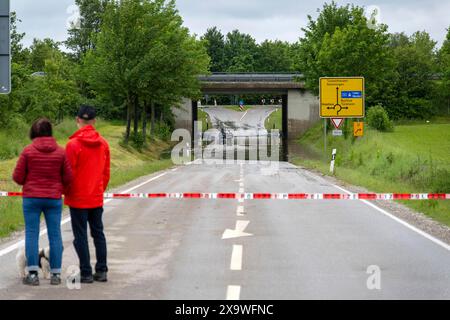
(264, 19)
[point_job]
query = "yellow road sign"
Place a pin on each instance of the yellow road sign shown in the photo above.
(358, 129)
(342, 97)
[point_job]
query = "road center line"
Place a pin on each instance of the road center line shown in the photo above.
(236, 258)
(67, 220)
(233, 292)
(240, 211)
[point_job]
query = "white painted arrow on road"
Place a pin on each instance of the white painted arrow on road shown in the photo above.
(238, 232)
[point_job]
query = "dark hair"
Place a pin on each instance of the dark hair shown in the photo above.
(41, 128)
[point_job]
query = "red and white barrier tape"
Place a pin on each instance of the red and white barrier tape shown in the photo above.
(272, 196)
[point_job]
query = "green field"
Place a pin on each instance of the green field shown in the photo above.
(126, 164)
(413, 158)
(204, 118)
(274, 121)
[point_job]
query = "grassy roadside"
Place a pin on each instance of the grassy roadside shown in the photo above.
(274, 121)
(413, 158)
(126, 164)
(204, 118)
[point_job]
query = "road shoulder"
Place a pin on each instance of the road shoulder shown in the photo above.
(416, 219)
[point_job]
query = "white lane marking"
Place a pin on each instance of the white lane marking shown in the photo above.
(43, 232)
(240, 211)
(233, 292)
(145, 182)
(240, 200)
(238, 232)
(406, 224)
(241, 190)
(21, 243)
(236, 258)
(196, 161)
(13, 247)
(175, 169)
(241, 184)
(244, 115)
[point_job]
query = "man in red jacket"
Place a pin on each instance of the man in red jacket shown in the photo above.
(89, 156)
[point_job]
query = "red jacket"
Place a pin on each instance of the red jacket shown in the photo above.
(43, 169)
(89, 156)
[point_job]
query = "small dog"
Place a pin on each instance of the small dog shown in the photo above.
(44, 262)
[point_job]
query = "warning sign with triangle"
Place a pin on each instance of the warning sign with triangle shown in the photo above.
(337, 122)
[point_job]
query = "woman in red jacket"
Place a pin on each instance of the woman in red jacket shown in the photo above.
(44, 171)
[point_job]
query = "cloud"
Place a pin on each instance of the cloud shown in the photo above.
(264, 19)
(283, 19)
(43, 18)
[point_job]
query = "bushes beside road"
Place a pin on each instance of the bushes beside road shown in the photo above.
(412, 158)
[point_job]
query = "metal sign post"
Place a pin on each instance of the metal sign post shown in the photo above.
(325, 136)
(5, 48)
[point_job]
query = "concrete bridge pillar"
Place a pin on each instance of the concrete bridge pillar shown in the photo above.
(185, 115)
(302, 112)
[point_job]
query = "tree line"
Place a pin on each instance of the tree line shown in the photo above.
(134, 60)
(407, 75)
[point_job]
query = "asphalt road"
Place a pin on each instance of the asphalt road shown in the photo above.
(249, 123)
(244, 133)
(293, 249)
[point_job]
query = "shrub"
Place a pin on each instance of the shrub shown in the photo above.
(163, 131)
(137, 141)
(378, 118)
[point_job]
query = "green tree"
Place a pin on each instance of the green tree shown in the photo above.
(240, 51)
(341, 43)
(81, 35)
(143, 56)
(18, 53)
(53, 95)
(416, 62)
(40, 51)
(10, 104)
(330, 17)
(274, 56)
(215, 44)
(443, 88)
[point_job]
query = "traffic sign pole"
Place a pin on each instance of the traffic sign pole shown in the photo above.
(325, 135)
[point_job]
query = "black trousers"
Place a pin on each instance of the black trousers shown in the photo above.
(80, 219)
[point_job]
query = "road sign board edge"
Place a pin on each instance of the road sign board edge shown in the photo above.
(363, 115)
(9, 54)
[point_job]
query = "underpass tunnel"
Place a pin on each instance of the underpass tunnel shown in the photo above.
(267, 112)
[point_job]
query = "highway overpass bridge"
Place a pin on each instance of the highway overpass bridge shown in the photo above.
(300, 106)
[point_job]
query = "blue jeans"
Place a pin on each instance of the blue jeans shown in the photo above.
(52, 209)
